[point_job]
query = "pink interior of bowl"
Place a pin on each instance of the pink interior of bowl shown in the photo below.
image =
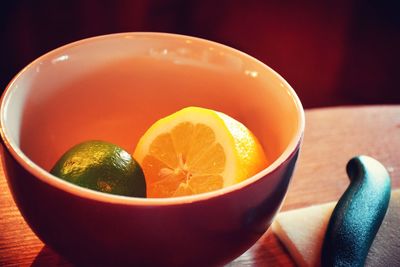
(114, 87)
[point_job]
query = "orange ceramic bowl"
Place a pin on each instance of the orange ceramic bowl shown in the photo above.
(113, 88)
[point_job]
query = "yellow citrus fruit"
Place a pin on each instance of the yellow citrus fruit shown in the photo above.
(196, 150)
(101, 166)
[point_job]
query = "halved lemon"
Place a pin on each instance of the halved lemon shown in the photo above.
(196, 150)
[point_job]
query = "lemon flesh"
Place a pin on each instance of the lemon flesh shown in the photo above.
(197, 150)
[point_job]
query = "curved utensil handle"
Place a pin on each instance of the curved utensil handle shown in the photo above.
(358, 214)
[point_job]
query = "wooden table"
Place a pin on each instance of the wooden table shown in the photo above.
(332, 137)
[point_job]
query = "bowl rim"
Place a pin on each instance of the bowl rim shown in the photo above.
(44, 176)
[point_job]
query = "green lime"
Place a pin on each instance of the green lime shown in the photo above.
(102, 166)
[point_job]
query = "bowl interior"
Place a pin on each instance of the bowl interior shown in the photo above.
(114, 87)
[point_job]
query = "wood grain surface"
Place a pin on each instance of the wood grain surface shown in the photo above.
(332, 137)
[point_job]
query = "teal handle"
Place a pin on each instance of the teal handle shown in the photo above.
(358, 214)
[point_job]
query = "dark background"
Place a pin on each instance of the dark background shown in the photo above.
(331, 52)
